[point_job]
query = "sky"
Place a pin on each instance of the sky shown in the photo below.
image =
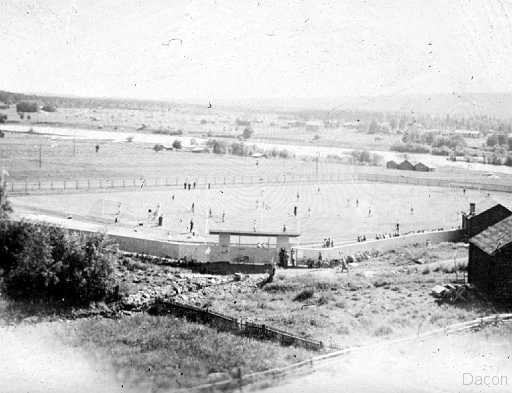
(170, 49)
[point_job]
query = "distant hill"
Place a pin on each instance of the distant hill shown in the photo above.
(464, 104)
(84, 102)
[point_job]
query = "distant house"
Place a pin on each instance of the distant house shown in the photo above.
(490, 258)
(391, 165)
(406, 165)
(421, 167)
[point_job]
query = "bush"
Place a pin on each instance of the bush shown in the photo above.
(410, 148)
(304, 295)
(3, 118)
(41, 262)
(49, 108)
(441, 151)
(247, 133)
(219, 148)
(176, 144)
(27, 106)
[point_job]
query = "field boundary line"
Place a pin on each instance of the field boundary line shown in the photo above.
(322, 360)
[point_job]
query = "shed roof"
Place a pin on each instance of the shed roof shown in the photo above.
(494, 238)
(253, 233)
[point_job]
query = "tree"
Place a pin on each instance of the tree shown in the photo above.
(49, 108)
(176, 144)
(247, 133)
(492, 140)
(219, 147)
(373, 127)
(5, 205)
(27, 106)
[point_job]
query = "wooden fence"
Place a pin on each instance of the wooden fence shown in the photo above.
(228, 323)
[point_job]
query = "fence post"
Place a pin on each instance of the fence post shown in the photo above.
(51, 185)
(124, 185)
(76, 184)
(64, 184)
(39, 185)
(88, 184)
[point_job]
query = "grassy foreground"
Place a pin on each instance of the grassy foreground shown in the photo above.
(158, 353)
(383, 297)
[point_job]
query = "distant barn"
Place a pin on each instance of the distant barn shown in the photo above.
(391, 165)
(490, 252)
(406, 165)
(421, 167)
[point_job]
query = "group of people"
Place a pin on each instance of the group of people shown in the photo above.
(192, 186)
(380, 236)
(328, 242)
(285, 258)
(189, 185)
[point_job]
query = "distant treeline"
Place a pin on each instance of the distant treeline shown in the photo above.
(85, 102)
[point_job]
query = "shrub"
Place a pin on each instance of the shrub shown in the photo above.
(304, 295)
(49, 108)
(383, 331)
(410, 148)
(41, 262)
(176, 144)
(247, 133)
(3, 118)
(27, 106)
(441, 151)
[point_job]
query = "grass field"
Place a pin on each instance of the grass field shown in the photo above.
(160, 353)
(385, 297)
(341, 211)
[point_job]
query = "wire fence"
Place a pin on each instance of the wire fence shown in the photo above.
(106, 184)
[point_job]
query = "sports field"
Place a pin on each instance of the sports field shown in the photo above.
(340, 211)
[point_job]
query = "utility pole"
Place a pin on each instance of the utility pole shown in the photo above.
(316, 164)
(40, 155)
(74, 147)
